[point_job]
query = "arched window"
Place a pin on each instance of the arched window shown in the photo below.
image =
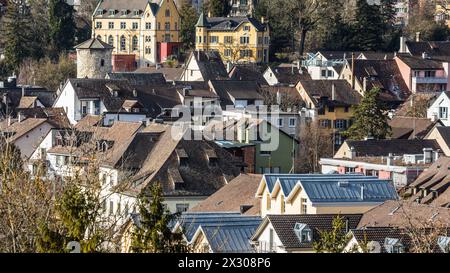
(99, 37)
(167, 12)
(123, 43)
(135, 43)
(111, 40)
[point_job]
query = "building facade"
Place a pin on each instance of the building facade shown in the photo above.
(140, 31)
(237, 39)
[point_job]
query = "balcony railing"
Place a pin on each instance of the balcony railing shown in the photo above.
(265, 247)
(429, 80)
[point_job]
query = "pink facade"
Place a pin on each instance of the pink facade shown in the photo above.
(167, 49)
(124, 62)
(384, 175)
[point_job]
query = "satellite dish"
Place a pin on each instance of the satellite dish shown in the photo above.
(374, 247)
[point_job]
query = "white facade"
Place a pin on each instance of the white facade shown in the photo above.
(320, 68)
(268, 241)
(192, 71)
(270, 77)
(29, 141)
(439, 109)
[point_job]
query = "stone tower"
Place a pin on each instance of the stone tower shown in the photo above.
(94, 59)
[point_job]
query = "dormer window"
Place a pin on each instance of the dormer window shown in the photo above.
(182, 157)
(393, 245)
(136, 12)
(100, 12)
(444, 243)
(112, 12)
(123, 12)
(303, 232)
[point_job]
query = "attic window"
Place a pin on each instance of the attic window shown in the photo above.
(123, 12)
(212, 157)
(136, 12)
(182, 157)
(112, 12)
(444, 243)
(303, 232)
(393, 245)
(100, 12)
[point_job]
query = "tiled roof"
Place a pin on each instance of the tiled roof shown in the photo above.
(284, 226)
(21, 128)
(229, 89)
(27, 101)
(322, 188)
(372, 55)
(439, 50)
(411, 127)
(404, 214)
(290, 75)
(384, 74)
(344, 94)
(228, 23)
(93, 43)
(419, 63)
(129, 6)
(238, 192)
(248, 72)
(169, 73)
(380, 234)
(135, 78)
(384, 147)
(55, 116)
(444, 131)
(210, 65)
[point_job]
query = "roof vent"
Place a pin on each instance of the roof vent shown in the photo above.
(343, 183)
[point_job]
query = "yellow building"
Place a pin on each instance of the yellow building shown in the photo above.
(237, 39)
(334, 102)
(147, 30)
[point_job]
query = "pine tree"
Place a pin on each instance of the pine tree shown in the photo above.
(153, 233)
(62, 27)
(218, 8)
(368, 26)
(16, 33)
(371, 118)
(189, 18)
(39, 28)
(333, 241)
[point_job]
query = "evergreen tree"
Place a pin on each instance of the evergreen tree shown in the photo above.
(39, 28)
(333, 241)
(218, 8)
(368, 27)
(62, 27)
(16, 33)
(371, 118)
(153, 233)
(189, 18)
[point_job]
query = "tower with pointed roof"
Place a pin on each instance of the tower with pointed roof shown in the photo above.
(94, 59)
(201, 33)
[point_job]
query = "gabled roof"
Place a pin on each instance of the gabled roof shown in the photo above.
(210, 65)
(230, 198)
(444, 131)
(19, 129)
(411, 127)
(284, 226)
(129, 6)
(344, 94)
(321, 188)
(55, 116)
(420, 63)
(439, 50)
(383, 235)
(228, 23)
(190, 222)
(248, 72)
(93, 43)
(230, 90)
(135, 78)
(27, 101)
(383, 147)
(290, 75)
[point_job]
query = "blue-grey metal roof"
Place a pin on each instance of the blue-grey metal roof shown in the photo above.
(329, 188)
(190, 222)
(234, 238)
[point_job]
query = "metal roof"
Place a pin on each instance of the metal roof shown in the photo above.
(231, 238)
(190, 222)
(329, 188)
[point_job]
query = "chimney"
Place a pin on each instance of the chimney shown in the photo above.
(209, 14)
(333, 91)
(292, 69)
(19, 117)
(278, 98)
(262, 19)
(23, 91)
(299, 67)
(417, 36)
(365, 84)
(389, 159)
(427, 155)
(402, 45)
(229, 67)
(352, 153)
(353, 70)
(362, 192)
(424, 55)
(436, 155)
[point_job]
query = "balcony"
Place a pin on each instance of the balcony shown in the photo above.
(429, 80)
(265, 247)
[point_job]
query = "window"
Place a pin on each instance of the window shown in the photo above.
(227, 52)
(324, 123)
(349, 169)
(416, 73)
(393, 245)
(245, 40)
(340, 124)
(213, 39)
(266, 40)
(228, 39)
(303, 206)
(96, 107)
(167, 13)
(167, 26)
(182, 207)
(148, 25)
(260, 40)
(443, 112)
(148, 38)
(136, 12)
(330, 73)
(98, 25)
(245, 53)
(111, 40)
(280, 122)
(303, 232)
(346, 109)
(330, 108)
(264, 153)
(123, 43)
(99, 37)
(430, 74)
(324, 73)
(111, 207)
(167, 38)
(135, 25)
(111, 25)
(123, 25)
(102, 62)
(148, 50)
(246, 28)
(271, 246)
(159, 26)
(135, 43)
(292, 122)
(43, 154)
